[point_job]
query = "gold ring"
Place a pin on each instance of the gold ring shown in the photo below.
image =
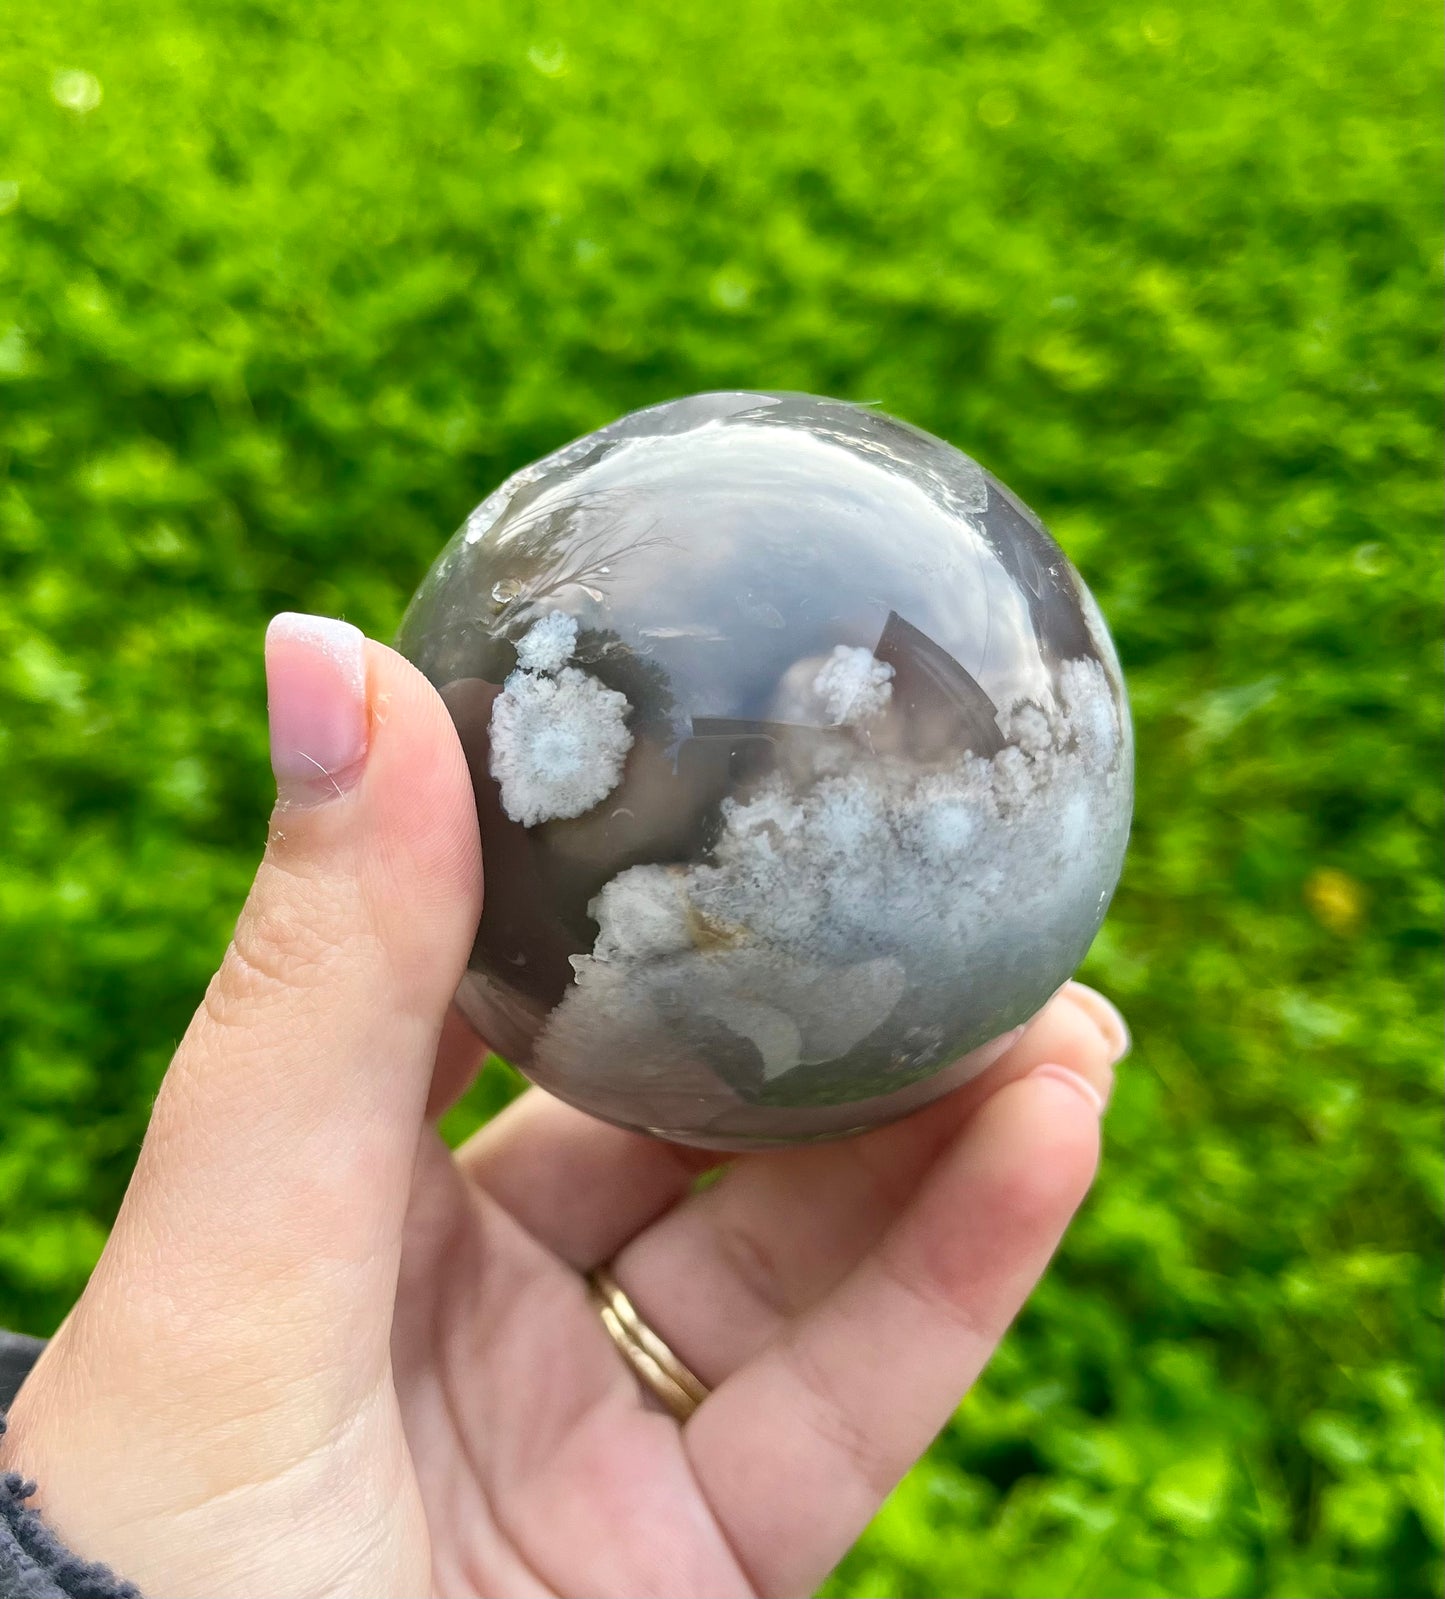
(653, 1363)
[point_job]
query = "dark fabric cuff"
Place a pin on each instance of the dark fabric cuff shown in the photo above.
(34, 1564)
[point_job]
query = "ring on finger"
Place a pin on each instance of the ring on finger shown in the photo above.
(655, 1366)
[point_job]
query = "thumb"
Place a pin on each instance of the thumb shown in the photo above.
(279, 1157)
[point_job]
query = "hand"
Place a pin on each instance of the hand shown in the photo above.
(322, 1355)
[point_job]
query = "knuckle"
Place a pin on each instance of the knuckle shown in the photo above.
(282, 946)
(849, 1444)
(937, 1293)
(752, 1264)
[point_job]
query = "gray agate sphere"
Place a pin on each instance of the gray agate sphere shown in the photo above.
(802, 762)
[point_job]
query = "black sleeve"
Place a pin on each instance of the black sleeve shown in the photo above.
(34, 1564)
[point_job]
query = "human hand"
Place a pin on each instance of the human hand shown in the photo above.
(321, 1354)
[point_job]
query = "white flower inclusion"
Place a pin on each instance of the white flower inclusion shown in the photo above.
(832, 892)
(854, 686)
(548, 645)
(558, 737)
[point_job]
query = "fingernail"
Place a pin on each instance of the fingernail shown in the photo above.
(316, 700)
(1075, 1080)
(1105, 1015)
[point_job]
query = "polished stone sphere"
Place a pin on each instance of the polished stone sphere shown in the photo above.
(802, 762)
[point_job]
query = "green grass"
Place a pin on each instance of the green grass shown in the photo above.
(313, 275)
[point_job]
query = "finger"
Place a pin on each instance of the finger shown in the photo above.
(718, 1275)
(796, 1451)
(579, 1186)
(531, 1160)
(280, 1152)
(460, 1053)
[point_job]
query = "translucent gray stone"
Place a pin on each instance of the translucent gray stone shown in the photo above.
(802, 761)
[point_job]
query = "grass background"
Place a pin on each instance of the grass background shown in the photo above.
(287, 285)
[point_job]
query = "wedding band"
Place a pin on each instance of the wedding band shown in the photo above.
(652, 1362)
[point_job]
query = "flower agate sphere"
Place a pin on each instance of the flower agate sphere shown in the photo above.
(802, 762)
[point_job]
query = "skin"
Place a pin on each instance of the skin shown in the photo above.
(321, 1354)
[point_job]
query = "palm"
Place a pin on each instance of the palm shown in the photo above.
(541, 1467)
(829, 1297)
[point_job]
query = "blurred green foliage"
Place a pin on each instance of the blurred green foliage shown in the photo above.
(287, 285)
